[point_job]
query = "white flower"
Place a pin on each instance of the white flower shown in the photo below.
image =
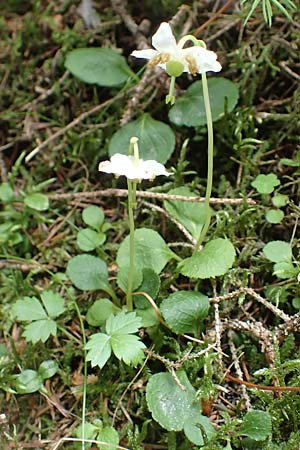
(132, 168)
(170, 55)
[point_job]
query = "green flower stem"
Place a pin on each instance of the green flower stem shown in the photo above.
(210, 156)
(131, 203)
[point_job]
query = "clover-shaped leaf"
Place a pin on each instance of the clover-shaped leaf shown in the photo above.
(265, 184)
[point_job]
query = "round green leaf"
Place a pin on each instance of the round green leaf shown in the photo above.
(150, 285)
(257, 425)
(189, 109)
(277, 251)
(274, 216)
(184, 310)
(93, 216)
(156, 139)
(169, 404)
(100, 311)
(193, 429)
(215, 259)
(110, 436)
(37, 201)
(191, 215)
(150, 250)
(280, 200)
(88, 272)
(6, 193)
(87, 239)
(47, 369)
(285, 269)
(123, 275)
(102, 66)
(28, 381)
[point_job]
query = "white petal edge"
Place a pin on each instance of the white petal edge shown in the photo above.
(206, 60)
(148, 53)
(163, 40)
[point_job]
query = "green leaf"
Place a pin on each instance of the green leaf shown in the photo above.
(274, 215)
(100, 311)
(6, 193)
(28, 381)
(150, 285)
(150, 251)
(285, 269)
(29, 308)
(190, 215)
(47, 369)
(54, 303)
(128, 347)
(148, 316)
(257, 425)
(156, 139)
(168, 403)
(265, 184)
(277, 251)
(99, 349)
(93, 216)
(197, 425)
(40, 330)
(184, 310)
(189, 109)
(102, 66)
(280, 200)
(123, 323)
(88, 272)
(110, 436)
(87, 239)
(37, 201)
(215, 259)
(291, 162)
(122, 278)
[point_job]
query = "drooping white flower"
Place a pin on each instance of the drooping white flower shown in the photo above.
(170, 55)
(132, 168)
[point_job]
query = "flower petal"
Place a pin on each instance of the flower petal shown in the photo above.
(206, 60)
(153, 168)
(148, 53)
(163, 40)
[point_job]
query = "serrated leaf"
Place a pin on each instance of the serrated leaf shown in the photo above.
(47, 369)
(156, 139)
(278, 251)
(37, 201)
(93, 216)
(28, 381)
(168, 403)
(128, 347)
(265, 184)
(87, 239)
(102, 66)
(150, 251)
(29, 308)
(150, 285)
(184, 310)
(190, 215)
(257, 425)
(123, 323)
(40, 330)
(99, 349)
(215, 259)
(88, 272)
(54, 303)
(189, 109)
(100, 311)
(194, 427)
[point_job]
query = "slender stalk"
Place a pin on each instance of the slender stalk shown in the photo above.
(84, 376)
(131, 202)
(210, 156)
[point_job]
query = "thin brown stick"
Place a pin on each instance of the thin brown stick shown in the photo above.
(146, 194)
(214, 17)
(261, 387)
